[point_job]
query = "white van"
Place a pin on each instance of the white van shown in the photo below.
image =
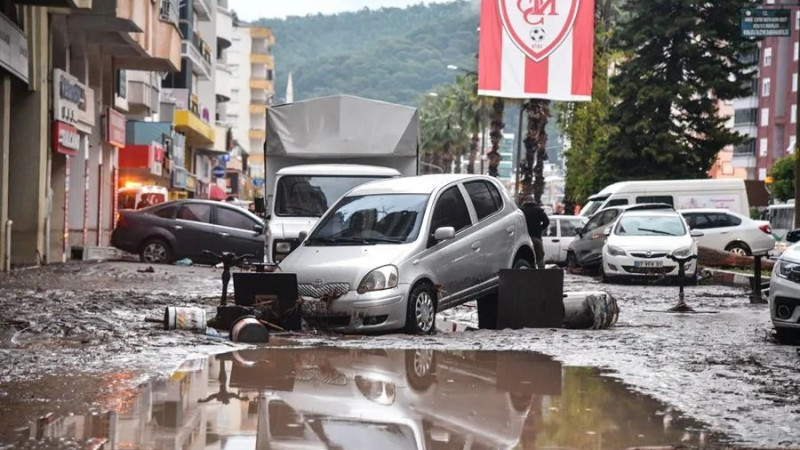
(728, 194)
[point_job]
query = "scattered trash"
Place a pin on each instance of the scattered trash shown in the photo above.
(249, 330)
(184, 262)
(148, 269)
(185, 318)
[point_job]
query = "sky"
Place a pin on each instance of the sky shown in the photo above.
(250, 10)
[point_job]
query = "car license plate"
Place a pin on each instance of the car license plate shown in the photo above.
(648, 263)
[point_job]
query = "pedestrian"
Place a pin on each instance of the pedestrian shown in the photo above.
(537, 222)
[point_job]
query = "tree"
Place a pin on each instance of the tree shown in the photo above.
(538, 113)
(685, 58)
(782, 174)
(496, 136)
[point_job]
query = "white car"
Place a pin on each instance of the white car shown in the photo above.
(640, 243)
(784, 295)
(729, 231)
(391, 253)
(559, 234)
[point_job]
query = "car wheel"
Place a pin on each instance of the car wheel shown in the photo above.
(522, 263)
(520, 401)
(420, 368)
(421, 310)
(603, 276)
(572, 262)
(738, 249)
(155, 251)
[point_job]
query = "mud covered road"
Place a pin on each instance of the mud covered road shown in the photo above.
(721, 367)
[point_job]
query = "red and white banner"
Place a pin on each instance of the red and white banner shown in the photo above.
(536, 49)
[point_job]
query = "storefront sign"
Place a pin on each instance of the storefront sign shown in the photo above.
(115, 133)
(156, 158)
(13, 49)
(66, 139)
(73, 102)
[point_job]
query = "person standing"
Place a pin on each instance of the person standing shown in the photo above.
(537, 222)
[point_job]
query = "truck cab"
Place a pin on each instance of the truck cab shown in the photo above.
(303, 193)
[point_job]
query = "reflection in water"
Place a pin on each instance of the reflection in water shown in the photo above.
(325, 398)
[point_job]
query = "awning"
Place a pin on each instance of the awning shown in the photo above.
(216, 193)
(197, 132)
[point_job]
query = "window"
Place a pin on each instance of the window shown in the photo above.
(655, 199)
(705, 221)
(451, 211)
(762, 174)
(746, 148)
(731, 221)
(167, 212)
(794, 82)
(569, 228)
(763, 147)
(764, 117)
(617, 202)
(765, 85)
(195, 212)
(552, 229)
(794, 114)
(797, 22)
(595, 222)
(227, 217)
(767, 56)
(480, 192)
(796, 50)
(745, 116)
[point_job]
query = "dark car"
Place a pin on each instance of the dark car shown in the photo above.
(586, 250)
(185, 228)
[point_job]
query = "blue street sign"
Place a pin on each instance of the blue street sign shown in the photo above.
(258, 182)
(218, 171)
(225, 157)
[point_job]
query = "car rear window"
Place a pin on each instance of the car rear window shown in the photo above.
(167, 212)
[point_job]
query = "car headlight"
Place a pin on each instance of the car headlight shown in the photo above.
(615, 251)
(682, 252)
(788, 270)
(379, 279)
(283, 247)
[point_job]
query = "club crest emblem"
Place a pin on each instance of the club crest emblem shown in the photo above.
(538, 27)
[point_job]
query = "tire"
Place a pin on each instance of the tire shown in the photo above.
(522, 263)
(572, 262)
(421, 310)
(520, 401)
(603, 277)
(155, 251)
(420, 369)
(739, 249)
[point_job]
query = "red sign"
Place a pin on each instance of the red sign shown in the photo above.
(66, 139)
(115, 132)
(536, 49)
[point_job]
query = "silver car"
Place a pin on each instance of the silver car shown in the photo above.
(390, 254)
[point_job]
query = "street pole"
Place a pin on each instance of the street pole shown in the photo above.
(797, 154)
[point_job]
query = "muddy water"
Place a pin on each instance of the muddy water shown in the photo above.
(354, 399)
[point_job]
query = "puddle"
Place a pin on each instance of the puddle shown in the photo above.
(329, 398)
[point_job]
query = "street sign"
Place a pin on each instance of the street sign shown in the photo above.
(225, 157)
(258, 182)
(765, 22)
(218, 171)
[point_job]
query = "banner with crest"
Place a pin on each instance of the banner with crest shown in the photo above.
(536, 49)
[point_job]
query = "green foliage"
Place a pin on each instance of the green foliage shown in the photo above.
(391, 54)
(782, 173)
(684, 57)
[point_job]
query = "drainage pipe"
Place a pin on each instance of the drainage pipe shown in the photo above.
(7, 256)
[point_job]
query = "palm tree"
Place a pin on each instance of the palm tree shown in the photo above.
(496, 135)
(538, 113)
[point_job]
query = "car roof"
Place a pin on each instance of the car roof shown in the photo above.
(566, 217)
(339, 169)
(707, 210)
(650, 212)
(421, 184)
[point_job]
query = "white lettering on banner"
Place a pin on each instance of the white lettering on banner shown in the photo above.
(69, 139)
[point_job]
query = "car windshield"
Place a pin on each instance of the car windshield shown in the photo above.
(592, 206)
(372, 219)
(650, 226)
(310, 196)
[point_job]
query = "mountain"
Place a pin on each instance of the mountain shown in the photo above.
(391, 54)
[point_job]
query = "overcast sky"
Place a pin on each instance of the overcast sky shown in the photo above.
(250, 10)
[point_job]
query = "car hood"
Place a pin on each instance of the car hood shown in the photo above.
(291, 227)
(341, 263)
(650, 243)
(792, 253)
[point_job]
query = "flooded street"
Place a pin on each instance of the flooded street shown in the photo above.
(361, 399)
(77, 360)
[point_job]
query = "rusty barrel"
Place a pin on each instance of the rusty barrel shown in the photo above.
(185, 318)
(249, 330)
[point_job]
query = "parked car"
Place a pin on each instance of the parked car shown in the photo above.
(586, 250)
(184, 228)
(391, 253)
(729, 231)
(784, 295)
(558, 236)
(640, 242)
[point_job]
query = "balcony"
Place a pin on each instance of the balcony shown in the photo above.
(143, 93)
(259, 109)
(744, 155)
(262, 58)
(223, 83)
(255, 133)
(199, 53)
(202, 9)
(57, 3)
(197, 132)
(224, 27)
(260, 83)
(262, 33)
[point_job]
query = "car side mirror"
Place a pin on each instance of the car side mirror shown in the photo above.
(259, 229)
(579, 232)
(444, 233)
(696, 233)
(302, 236)
(607, 231)
(793, 236)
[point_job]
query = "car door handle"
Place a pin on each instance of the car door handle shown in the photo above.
(177, 227)
(224, 234)
(476, 245)
(556, 240)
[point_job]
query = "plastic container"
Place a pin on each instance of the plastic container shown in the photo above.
(249, 330)
(185, 318)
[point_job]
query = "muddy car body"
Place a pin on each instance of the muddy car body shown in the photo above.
(390, 254)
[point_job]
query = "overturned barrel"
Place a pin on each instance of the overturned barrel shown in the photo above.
(595, 310)
(185, 318)
(249, 330)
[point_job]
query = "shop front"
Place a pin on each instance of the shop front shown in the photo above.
(115, 137)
